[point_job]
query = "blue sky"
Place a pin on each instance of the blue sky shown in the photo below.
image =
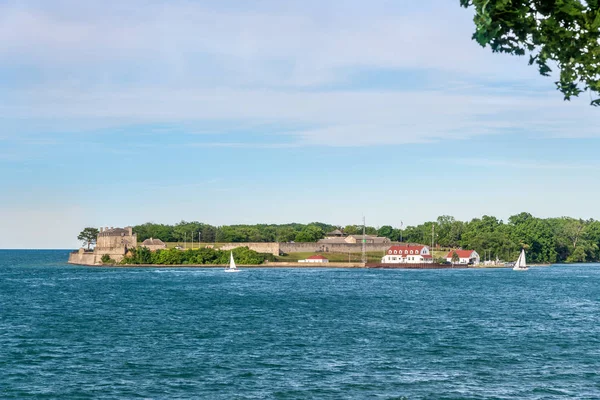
(116, 113)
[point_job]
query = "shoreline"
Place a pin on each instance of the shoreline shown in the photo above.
(223, 266)
(331, 265)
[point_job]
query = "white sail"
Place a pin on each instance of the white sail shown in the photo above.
(232, 262)
(521, 263)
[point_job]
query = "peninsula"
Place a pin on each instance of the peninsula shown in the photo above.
(546, 240)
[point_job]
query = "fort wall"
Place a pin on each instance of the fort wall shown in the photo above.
(272, 248)
(83, 257)
(279, 248)
(331, 247)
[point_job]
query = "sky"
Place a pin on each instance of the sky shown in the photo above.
(117, 113)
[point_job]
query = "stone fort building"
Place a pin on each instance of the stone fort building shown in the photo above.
(115, 242)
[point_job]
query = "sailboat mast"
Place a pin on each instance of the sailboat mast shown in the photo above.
(364, 244)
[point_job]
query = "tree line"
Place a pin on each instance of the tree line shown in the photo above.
(546, 240)
(244, 256)
(205, 233)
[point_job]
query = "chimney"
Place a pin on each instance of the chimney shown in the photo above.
(130, 230)
(101, 229)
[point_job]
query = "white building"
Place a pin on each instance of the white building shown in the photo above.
(464, 256)
(315, 259)
(409, 254)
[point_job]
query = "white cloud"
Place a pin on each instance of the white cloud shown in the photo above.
(338, 117)
(304, 47)
(523, 164)
(119, 64)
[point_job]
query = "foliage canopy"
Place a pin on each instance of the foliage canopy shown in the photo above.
(455, 258)
(565, 32)
(88, 236)
(546, 240)
(243, 256)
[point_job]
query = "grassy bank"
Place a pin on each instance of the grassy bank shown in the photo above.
(188, 245)
(372, 256)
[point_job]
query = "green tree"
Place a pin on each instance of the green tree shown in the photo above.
(534, 234)
(455, 258)
(387, 231)
(286, 234)
(564, 32)
(370, 230)
(311, 233)
(352, 229)
(106, 259)
(88, 236)
(414, 234)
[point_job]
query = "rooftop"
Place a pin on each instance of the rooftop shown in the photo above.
(114, 231)
(153, 242)
(461, 253)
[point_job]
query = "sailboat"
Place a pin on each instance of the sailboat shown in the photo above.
(521, 264)
(232, 267)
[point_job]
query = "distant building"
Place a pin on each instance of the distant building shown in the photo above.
(334, 234)
(409, 254)
(368, 239)
(315, 259)
(113, 242)
(332, 240)
(465, 256)
(353, 239)
(154, 244)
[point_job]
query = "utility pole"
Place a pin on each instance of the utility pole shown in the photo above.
(184, 240)
(364, 244)
(192, 235)
(401, 225)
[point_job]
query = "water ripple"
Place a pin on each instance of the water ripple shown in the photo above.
(74, 332)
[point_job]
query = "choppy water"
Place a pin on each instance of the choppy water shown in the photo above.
(77, 332)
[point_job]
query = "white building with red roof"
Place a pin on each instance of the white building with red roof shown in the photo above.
(317, 258)
(409, 254)
(464, 256)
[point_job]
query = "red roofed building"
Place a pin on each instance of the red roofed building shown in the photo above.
(409, 254)
(315, 259)
(465, 256)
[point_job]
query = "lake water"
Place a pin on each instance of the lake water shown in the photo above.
(80, 332)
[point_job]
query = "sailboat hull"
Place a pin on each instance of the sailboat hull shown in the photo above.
(232, 270)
